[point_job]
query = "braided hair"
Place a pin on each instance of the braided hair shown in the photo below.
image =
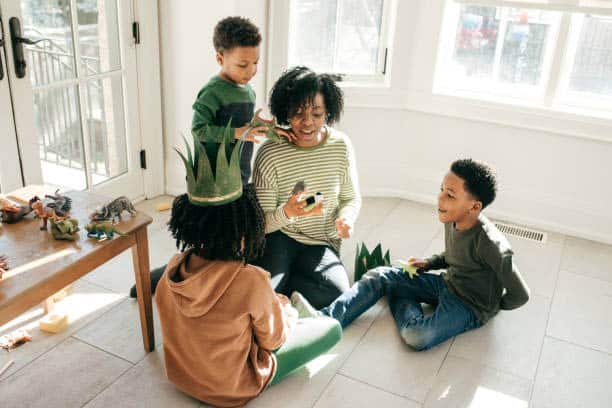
(233, 231)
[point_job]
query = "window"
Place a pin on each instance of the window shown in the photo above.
(589, 80)
(507, 53)
(345, 37)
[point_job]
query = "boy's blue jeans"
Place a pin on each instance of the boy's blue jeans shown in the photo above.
(451, 316)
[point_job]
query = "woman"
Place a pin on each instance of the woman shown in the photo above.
(302, 245)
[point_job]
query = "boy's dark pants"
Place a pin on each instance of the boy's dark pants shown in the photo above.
(313, 270)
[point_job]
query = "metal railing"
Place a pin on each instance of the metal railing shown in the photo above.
(57, 109)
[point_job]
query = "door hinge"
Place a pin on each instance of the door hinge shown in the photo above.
(136, 32)
(143, 159)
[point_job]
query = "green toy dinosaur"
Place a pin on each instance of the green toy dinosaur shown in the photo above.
(101, 230)
(270, 133)
(65, 229)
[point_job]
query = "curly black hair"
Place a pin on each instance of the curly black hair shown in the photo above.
(298, 87)
(235, 32)
(479, 179)
(233, 231)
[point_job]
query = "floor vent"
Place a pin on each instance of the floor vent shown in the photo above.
(522, 232)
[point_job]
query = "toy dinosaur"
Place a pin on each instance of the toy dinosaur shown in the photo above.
(270, 124)
(101, 230)
(65, 229)
(113, 210)
(43, 212)
(11, 212)
(59, 202)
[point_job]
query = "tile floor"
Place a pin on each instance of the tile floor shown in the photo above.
(554, 352)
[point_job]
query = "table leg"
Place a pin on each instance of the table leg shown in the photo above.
(140, 256)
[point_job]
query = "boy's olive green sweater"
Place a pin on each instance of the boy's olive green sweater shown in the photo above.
(479, 269)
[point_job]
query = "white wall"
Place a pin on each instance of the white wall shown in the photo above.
(406, 139)
(188, 62)
(404, 143)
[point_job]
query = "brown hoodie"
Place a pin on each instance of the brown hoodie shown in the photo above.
(220, 320)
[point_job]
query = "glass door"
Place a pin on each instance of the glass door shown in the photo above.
(74, 94)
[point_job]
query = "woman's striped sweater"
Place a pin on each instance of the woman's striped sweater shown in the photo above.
(328, 168)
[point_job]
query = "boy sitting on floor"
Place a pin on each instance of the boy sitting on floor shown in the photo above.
(480, 276)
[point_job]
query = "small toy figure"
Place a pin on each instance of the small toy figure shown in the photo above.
(60, 203)
(101, 230)
(43, 212)
(11, 212)
(113, 210)
(271, 133)
(14, 339)
(66, 229)
(410, 269)
(4, 266)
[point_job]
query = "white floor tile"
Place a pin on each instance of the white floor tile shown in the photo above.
(84, 304)
(383, 360)
(587, 258)
(67, 376)
(344, 392)
(144, 385)
(580, 312)
(571, 376)
(511, 341)
(119, 332)
(465, 383)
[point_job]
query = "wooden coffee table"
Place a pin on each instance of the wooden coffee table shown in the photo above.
(42, 266)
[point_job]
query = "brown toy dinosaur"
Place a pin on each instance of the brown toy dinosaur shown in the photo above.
(11, 213)
(44, 212)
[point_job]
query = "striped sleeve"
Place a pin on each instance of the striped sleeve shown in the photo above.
(350, 196)
(266, 186)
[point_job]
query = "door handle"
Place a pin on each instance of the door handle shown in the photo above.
(17, 41)
(1, 51)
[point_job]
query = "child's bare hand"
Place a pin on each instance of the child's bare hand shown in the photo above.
(419, 263)
(255, 135)
(343, 229)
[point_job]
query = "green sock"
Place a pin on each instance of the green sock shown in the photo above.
(304, 308)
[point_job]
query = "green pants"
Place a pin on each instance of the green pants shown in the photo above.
(310, 338)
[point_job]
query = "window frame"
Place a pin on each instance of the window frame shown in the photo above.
(278, 55)
(553, 94)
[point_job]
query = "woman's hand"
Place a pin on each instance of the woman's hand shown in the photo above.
(255, 135)
(294, 207)
(343, 229)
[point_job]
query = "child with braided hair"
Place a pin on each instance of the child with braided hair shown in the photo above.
(227, 335)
